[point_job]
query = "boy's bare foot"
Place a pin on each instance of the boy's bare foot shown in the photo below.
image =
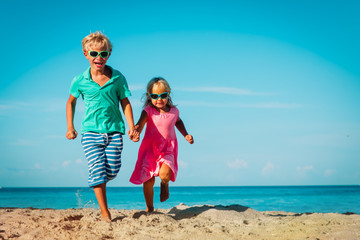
(164, 192)
(149, 209)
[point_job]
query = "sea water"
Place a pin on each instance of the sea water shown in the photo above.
(300, 199)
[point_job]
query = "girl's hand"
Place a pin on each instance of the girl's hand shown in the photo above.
(134, 138)
(134, 134)
(71, 134)
(189, 138)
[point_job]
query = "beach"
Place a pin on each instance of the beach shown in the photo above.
(180, 222)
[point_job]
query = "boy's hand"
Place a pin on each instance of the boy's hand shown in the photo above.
(134, 135)
(71, 134)
(189, 138)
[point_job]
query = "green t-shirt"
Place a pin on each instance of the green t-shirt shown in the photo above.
(102, 113)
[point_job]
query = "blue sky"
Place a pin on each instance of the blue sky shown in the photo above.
(269, 89)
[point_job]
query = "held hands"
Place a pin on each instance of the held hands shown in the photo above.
(134, 134)
(71, 134)
(189, 138)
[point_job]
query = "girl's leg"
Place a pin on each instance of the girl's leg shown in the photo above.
(100, 193)
(148, 188)
(165, 176)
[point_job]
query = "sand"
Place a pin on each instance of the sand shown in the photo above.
(181, 222)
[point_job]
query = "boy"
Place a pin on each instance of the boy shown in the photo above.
(102, 88)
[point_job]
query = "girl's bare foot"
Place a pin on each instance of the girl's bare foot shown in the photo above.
(164, 192)
(106, 217)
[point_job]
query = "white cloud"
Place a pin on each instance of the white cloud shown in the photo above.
(224, 90)
(15, 105)
(135, 87)
(198, 104)
(264, 105)
(37, 166)
(329, 172)
(304, 169)
(65, 163)
(334, 138)
(136, 103)
(4, 107)
(268, 168)
(271, 105)
(79, 161)
(183, 164)
(237, 164)
(24, 142)
(55, 136)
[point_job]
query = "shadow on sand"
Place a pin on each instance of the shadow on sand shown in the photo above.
(141, 213)
(183, 211)
(194, 211)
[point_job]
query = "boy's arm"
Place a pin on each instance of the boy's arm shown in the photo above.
(127, 109)
(181, 127)
(70, 112)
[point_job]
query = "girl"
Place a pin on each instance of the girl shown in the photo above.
(158, 150)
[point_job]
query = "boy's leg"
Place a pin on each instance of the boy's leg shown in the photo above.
(148, 188)
(100, 193)
(113, 155)
(94, 148)
(165, 176)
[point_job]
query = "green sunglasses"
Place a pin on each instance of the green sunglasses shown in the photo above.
(155, 96)
(95, 54)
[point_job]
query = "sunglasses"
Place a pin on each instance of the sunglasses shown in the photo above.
(103, 54)
(157, 96)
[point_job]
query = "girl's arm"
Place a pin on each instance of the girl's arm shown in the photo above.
(141, 123)
(181, 127)
(139, 126)
(70, 112)
(127, 109)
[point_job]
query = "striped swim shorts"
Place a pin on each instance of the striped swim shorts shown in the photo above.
(103, 154)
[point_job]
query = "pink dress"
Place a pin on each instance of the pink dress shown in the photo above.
(159, 146)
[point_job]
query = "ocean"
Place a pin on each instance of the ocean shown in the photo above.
(298, 199)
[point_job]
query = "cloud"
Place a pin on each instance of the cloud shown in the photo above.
(264, 105)
(15, 105)
(65, 163)
(329, 172)
(79, 161)
(272, 105)
(223, 90)
(5, 107)
(37, 166)
(234, 91)
(24, 143)
(136, 87)
(136, 103)
(268, 168)
(183, 164)
(338, 138)
(237, 164)
(55, 136)
(304, 169)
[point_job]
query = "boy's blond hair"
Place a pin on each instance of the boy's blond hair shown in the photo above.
(96, 39)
